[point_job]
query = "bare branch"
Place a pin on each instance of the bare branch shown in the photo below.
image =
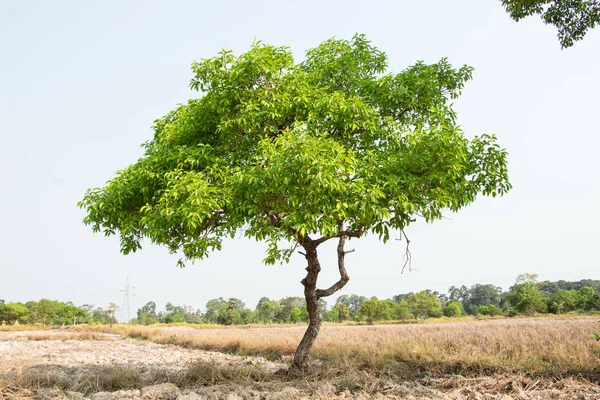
(407, 256)
(344, 278)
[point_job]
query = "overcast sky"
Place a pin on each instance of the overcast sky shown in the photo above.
(81, 83)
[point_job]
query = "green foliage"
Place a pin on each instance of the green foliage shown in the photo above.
(287, 305)
(46, 312)
(527, 298)
(454, 309)
(215, 310)
(476, 296)
(296, 315)
(285, 150)
(586, 299)
(490, 310)
(16, 312)
(375, 310)
(340, 312)
(353, 303)
(424, 304)
(111, 311)
(172, 314)
(267, 310)
(563, 301)
(147, 314)
(401, 310)
(526, 278)
(572, 18)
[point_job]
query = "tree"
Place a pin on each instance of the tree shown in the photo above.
(527, 298)
(454, 309)
(71, 314)
(490, 310)
(331, 148)
(296, 315)
(375, 310)
(586, 299)
(563, 301)
(572, 18)
(341, 312)
(287, 305)
(147, 314)
(100, 316)
(526, 278)
(215, 310)
(16, 312)
(2, 311)
(173, 314)
(111, 310)
(424, 304)
(45, 311)
(476, 296)
(352, 302)
(401, 310)
(267, 309)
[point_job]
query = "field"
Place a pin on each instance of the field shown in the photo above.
(525, 358)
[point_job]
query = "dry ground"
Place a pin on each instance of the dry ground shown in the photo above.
(495, 359)
(541, 346)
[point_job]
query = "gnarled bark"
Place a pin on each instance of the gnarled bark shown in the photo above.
(312, 295)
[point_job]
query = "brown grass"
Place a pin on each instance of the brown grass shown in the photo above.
(93, 378)
(63, 336)
(16, 328)
(554, 346)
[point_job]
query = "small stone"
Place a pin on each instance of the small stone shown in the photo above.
(102, 396)
(191, 396)
(74, 395)
(159, 392)
(250, 394)
(127, 394)
(287, 393)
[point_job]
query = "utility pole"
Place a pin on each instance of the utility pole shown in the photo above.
(125, 310)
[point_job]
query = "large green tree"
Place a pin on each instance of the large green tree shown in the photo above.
(527, 298)
(572, 18)
(297, 154)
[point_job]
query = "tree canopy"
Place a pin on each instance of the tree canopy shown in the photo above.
(572, 18)
(282, 150)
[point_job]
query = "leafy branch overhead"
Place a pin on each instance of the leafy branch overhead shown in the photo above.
(333, 146)
(572, 18)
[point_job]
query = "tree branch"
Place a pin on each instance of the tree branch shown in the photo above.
(407, 255)
(344, 278)
(275, 220)
(322, 239)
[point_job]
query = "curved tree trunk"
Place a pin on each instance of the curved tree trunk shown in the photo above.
(312, 305)
(312, 296)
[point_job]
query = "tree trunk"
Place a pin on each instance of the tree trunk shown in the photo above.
(312, 296)
(312, 305)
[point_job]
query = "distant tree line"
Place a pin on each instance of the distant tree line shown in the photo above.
(53, 312)
(526, 296)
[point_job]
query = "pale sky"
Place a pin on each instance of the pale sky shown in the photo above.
(82, 82)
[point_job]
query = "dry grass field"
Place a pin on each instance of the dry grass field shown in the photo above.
(536, 346)
(520, 358)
